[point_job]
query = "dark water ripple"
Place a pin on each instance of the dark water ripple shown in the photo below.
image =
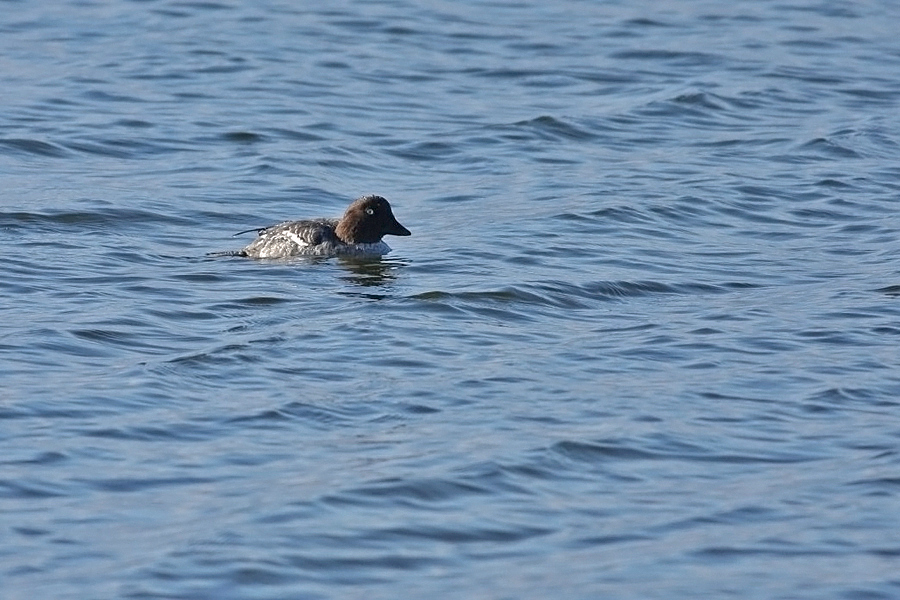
(641, 344)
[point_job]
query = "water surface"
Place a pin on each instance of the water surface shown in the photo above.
(641, 344)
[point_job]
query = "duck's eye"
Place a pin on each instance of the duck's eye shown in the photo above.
(370, 211)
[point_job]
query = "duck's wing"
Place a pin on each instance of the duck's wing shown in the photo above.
(291, 238)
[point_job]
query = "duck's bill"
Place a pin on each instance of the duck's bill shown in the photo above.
(397, 229)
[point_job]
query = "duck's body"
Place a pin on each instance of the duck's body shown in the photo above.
(358, 232)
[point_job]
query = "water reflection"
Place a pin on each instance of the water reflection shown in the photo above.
(369, 271)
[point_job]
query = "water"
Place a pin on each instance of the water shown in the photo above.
(641, 344)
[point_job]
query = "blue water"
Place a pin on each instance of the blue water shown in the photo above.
(642, 343)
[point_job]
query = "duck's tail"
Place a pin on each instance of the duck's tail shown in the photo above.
(224, 253)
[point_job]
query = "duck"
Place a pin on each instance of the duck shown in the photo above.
(357, 233)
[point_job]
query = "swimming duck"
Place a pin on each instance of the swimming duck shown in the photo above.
(358, 232)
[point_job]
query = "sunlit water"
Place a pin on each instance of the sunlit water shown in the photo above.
(642, 343)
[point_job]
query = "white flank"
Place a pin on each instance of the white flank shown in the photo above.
(296, 239)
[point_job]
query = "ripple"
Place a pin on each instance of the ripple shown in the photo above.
(674, 57)
(35, 147)
(828, 148)
(560, 294)
(467, 535)
(99, 218)
(243, 137)
(315, 415)
(415, 492)
(31, 490)
(131, 485)
(181, 432)
(599, 452)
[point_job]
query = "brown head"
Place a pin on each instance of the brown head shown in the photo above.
(368, 220)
